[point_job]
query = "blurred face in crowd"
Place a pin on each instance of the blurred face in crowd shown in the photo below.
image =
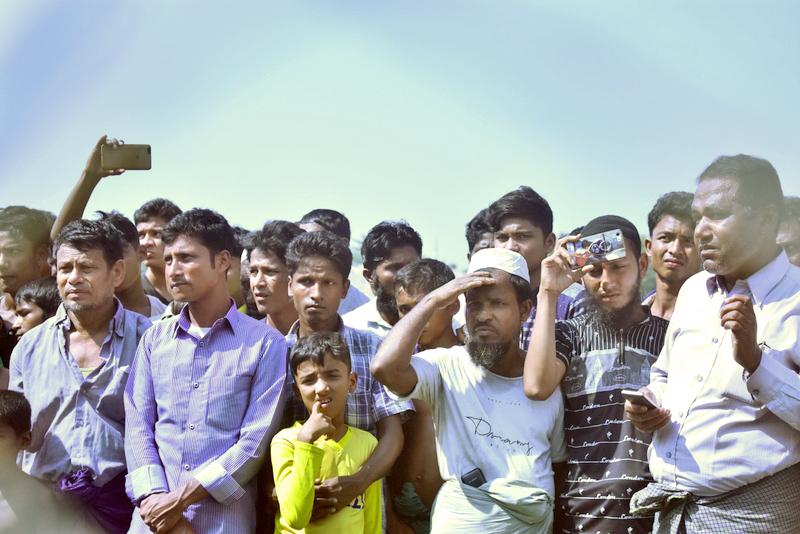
(269, 282)
(85, 280)
(192, 272)
(20, 261)
(486, 240)
(316, 288)
(789, 239)
(730, 236)
(133, 259)
(672, 251)
(437, 325)
(150, 239)
(26, 315)
(614, 287)
(527, 239)
(11, 443)
(494, 318)
(381, 280)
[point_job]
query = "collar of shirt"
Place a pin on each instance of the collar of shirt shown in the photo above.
(231, 318)
(374, 316)
(116, 326)
(759, 284)
(294, 332)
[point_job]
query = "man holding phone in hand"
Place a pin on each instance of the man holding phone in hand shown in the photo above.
(726, 447)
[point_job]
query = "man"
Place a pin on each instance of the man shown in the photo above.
(73, 369)
(336, 222)
(150, 219)
(319, 264)
(671, 250)
(478, 233)
(205, 394)
(24, 251)
(494, 445)
(726, 447)
(387, 248)
(594, 357)
(415, 479)
(789, 232)
(269, 276)
(522, 221)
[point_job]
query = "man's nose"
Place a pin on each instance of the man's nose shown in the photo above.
(510, 244)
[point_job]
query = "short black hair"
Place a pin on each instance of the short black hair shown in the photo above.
(330, 220)
(160, 208)
(791, 208)
(15, 411)
(385, 236)
(323, 244)
(476, 227)
(31, 224)
(42, 292)
(274, 237)
(315, 346)
(84, 235)
(241, 238)
(123, 224)
(677, 204)
(423, 276)
(759, 184)
(522, 202)
(204, 225)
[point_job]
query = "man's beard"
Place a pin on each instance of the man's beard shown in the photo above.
(78, 307)
(385, 301)
(486, 354)
(616, 319)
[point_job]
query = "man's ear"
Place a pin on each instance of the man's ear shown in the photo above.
(25, 439)
(643, 263)
(525, 309)
(140, 253)
(42, 258)
(367, 274)
(289, 286)
(648, 247)
(453, 307)
(550, 242)
(222, 261)
(345, 287)
(118, 273)
(353, 382)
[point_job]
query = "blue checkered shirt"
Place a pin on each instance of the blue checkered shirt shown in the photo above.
(570, 304)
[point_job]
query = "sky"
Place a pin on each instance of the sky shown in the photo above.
(423, 111)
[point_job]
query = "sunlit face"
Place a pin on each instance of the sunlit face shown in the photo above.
(437, 325)
(269, 282)
(20, 261)
(192, 272)
(672, 251)
(615, 284)
(27, 315)
(317, 287)
(525, 238)
(493, 314)
(789, 240)
(328, 384)
(150, 239)
(85, 280)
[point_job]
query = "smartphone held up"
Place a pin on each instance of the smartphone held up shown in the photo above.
(128, 157)
(597, 248)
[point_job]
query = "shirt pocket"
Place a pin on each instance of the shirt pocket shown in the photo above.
(110, 403)
(228, 399)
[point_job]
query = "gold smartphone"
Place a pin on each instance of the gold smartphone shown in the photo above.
(128, 157)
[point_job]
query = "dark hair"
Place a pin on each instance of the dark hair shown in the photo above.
(123, 224)
(330, 220)
(677, 204)
(315, 346)
(522, 202)
(15, 411)
(241, 237)
(759, 185)
(84, 235)
(791, 209)
(31, 224)
(385, 236)
(160, 208)
(475, 228)
(42, 292)
(522, 289)
(274, 237)
(423, 276)
(208, 227)
(324, 244)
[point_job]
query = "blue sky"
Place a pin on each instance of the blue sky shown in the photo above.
(419, 110)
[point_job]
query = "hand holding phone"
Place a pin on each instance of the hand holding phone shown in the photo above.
(596, 248)
(128, 157)
(641, 398)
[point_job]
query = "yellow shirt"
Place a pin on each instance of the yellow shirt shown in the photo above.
(297, 464)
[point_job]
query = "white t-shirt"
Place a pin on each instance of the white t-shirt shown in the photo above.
(485, 421)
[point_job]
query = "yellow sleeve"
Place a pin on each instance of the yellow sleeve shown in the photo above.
(295, 466)
(373, 504)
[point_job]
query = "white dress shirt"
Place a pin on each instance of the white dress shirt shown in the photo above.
(729, 429)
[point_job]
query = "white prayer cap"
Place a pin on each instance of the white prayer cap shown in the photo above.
(500, 258)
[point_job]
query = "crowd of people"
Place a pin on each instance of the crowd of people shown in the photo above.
(176, 374)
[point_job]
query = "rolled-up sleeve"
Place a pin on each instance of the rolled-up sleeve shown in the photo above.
(224, 478)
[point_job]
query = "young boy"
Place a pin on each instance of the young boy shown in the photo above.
(35, 302)
(324, 446)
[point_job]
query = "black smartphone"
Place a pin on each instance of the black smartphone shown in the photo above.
(474, 478)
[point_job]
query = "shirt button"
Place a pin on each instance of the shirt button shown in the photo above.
(195, 385)
(186, 467)
(756, 391)
(715, 340)
(699, 378)
(201, 343)
(669, 455)
(191, 427)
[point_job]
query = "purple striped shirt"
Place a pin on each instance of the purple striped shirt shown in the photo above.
(204, 408)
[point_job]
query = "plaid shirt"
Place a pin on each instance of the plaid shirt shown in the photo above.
(369, 403)
(569, 305)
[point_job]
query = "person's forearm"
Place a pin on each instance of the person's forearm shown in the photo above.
(390, 445)
(190, 493)
(542, 372)
(76, 202)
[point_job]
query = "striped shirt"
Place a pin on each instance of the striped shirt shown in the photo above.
(78, 421)
(206, 409)
(370, 402)
(607, 455)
